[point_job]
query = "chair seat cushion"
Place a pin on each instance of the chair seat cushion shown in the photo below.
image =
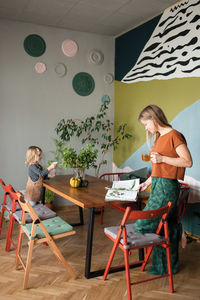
(41, 210)
(54, 226)
(134, 239)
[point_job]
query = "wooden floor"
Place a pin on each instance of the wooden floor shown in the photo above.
(49, 280)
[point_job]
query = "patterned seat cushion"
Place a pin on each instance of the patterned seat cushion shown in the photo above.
(41, 210)
(134, 239)
(54, 226)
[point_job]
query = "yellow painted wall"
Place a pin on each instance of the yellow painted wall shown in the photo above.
(171, 95)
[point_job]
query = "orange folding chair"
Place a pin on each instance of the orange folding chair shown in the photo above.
(11, 206)
(126, 239)
(40, 232)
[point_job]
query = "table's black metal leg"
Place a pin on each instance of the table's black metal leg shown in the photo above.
(89, 243)
(43, 195)
(81, 215)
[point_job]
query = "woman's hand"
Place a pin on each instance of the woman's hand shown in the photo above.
(143, 186)
(156, 158)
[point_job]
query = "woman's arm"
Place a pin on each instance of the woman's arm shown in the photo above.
(184, 160)
(143, 186)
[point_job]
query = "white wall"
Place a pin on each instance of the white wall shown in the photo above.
(31, 104)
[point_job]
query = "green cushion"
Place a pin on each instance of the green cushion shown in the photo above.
(140, 173)
(54, 226)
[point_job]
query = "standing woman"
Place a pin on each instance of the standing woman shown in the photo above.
(170, 156)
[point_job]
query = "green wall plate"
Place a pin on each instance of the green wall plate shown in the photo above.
(34, 45)
(83, 84)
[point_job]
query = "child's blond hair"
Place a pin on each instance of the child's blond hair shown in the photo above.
(31, 155)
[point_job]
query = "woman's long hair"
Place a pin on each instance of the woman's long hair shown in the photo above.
(154, 113)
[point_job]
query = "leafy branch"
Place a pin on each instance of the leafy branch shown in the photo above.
(89, 129)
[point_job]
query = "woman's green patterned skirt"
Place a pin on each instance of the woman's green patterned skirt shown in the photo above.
(163, 190)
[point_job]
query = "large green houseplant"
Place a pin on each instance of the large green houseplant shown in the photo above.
(94, 130)
(69, 158)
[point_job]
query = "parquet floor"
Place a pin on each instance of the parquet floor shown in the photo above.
(50, 281)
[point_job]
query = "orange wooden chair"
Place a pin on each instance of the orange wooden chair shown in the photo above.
(40, 232)
(126, 239)
(11, 206)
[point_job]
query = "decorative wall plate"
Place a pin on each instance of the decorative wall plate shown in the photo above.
(60, 69)
(34, 45)
(105, 99)
(96, 57)
(108, 78)
(83, 84)
(40, 67)
(69, 48)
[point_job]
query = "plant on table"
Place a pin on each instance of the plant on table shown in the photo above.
(69, 158)
(95, 130)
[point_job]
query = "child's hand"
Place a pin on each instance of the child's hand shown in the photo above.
(52, 166)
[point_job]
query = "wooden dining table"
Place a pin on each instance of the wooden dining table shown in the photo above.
(90, 197)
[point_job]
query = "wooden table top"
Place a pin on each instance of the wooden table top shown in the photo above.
(91, 196)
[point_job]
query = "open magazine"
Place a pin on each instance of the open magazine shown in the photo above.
(124, 190)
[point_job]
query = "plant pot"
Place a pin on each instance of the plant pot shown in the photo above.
(49, 205)
(80, 173)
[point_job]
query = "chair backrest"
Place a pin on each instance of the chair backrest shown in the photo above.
(9, 191)
(111, 176)
(149, 214)
(27, 208)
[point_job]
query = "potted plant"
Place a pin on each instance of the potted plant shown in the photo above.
(49, 196)
(79, 162)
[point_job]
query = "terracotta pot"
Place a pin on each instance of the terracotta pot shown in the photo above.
(49, 205)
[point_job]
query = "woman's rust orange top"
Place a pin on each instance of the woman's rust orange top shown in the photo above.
(166, 145)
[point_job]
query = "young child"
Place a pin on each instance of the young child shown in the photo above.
(36, 174)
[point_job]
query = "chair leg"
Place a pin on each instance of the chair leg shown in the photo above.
(19, 246)
(111, 257)
(10, 231)
(128, 280)
(146, 258)
(1, 218)
(169, 265)
(59, 255)
(28, 263)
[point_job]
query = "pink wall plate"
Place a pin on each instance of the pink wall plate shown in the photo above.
(40, 67)
(69, 48)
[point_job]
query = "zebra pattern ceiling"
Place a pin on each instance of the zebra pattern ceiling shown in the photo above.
(173, 50)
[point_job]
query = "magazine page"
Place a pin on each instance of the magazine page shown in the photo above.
(124, 190)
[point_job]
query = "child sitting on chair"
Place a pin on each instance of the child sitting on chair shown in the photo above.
(36, 174)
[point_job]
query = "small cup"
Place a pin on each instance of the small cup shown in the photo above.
(146, 156)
